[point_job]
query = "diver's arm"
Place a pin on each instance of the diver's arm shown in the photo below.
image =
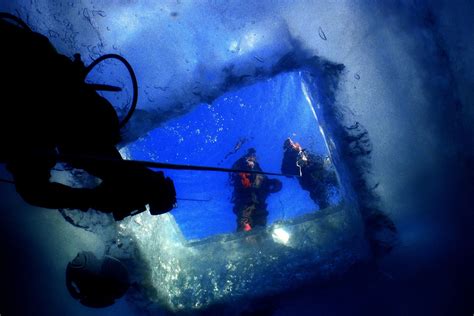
(31, 174)
(55, 195)
(124, 189)
(104, 198)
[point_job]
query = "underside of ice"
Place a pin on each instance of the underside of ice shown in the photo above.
(395, 96)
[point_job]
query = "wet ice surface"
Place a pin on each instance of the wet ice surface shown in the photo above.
(228, 267)
(168, 271)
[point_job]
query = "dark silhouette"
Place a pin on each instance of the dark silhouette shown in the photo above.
(96, 282)
(315, 176)
(48, 114)
(250, 192)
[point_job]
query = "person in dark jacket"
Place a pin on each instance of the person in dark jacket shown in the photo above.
(250, 192)
(315, 175)
(48, 113)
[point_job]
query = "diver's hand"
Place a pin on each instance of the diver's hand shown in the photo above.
(121, 213)
(161, 193)
(164, 199)
(119, 199)
(131, 195)
(152, 188)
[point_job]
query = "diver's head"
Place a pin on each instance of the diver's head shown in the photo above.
(251, 157)
(250, 162)
(290, 145)
(94, 282)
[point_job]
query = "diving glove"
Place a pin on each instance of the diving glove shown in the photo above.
(155, 190)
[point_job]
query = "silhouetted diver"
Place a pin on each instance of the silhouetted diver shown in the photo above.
(47, 112)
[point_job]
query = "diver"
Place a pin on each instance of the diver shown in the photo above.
(96, 282)
(315, 173)
(49, 114)
(250, 192)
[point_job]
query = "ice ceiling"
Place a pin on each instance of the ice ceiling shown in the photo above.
(405, 76)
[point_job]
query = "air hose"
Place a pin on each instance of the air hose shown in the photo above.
(132, 76)
(8, 16)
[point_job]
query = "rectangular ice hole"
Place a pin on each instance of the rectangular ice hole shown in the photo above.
(259, 116)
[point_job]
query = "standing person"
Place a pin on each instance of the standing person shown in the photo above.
(315, 174)
(250, 192)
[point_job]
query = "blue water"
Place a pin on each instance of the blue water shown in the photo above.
(209, 134)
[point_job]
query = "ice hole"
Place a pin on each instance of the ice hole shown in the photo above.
(261, 116)
(192, 257)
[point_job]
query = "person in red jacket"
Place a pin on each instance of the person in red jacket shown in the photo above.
(250, 192)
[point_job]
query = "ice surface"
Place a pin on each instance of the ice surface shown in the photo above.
(230, 267)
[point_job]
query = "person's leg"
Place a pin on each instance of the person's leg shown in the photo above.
(320, 196)
(244, 217)
(259, 218)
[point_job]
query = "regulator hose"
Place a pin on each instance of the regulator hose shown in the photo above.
(9, 16)
(132, 76)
